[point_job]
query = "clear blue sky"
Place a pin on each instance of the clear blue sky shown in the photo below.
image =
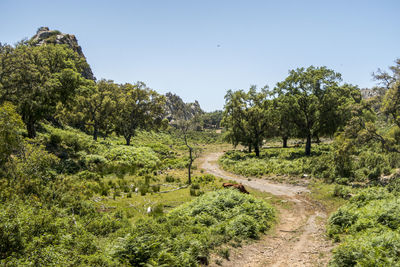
(200, 49)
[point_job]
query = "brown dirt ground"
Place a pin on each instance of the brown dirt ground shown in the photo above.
(298, 239)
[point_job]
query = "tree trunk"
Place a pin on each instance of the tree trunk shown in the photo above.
(284, 141)
(308, 145)
(190, 166)
(190, 159)
(30, 126)
(128, 139)
(257, 150)
(95, 133)
(249, 148)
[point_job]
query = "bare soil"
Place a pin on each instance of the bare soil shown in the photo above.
(298, 239)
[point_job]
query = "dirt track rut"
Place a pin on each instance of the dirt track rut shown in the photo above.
(297, 240)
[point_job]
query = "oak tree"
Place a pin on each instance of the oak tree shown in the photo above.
(249, 117)
(93, 108)
(41, 77)
(138, 107)
(304, 91)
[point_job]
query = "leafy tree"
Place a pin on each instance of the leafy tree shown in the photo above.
(234, 118)
(260, 117)
(212, 119)
(390, 106)
(93, 107)
(138, 107)
(284, 127)
(337, 108)
(7, 68)
(391, 102)
(306, 92)
(186, 122)
(42, 77)
(385, 79)
(388, 100)
(10, 126)
(249, 117)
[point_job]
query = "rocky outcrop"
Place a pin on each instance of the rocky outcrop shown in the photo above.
(376, 91)
(175, 107)
(368, 93)
(46, 36)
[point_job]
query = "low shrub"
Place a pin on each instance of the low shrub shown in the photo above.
(368, 227)
(169, 179)
(155, 188)
(143, 189)
(127, 159)
(88, 175)
(185, 236)
(195, 186)
(341, 191)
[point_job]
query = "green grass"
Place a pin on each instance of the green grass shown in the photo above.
(325, 194)
(135, 205)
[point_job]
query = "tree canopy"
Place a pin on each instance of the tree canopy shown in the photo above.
(93, 107)
(10, 127)
(138, 107)
(248, 117)
(36, 78)
(312, 100)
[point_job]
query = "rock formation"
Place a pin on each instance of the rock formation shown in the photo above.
(175, 106)
(46, 36)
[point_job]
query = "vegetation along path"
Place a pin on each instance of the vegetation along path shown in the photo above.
(297, 240)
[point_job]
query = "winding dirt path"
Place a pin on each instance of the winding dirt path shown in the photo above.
(297, 240)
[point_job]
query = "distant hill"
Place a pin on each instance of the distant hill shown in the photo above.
(175, 102)
(46, 36)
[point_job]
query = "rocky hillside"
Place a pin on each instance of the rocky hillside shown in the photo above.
(175, 105)
(367, 93)
(46, 36)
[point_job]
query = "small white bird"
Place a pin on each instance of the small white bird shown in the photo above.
(148, 209)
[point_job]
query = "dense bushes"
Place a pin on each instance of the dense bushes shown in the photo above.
(369, 229)
(10, 128)
(149, 151)
(185, 236)
(34, 235)
(78, 151)
(131, 159)
(55, 204)
(273, 161)
(332, 162)
(47, 219)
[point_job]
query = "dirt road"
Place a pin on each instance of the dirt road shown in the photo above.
(297, 240)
